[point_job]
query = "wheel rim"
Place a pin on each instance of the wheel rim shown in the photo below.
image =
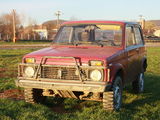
(117, 97)
(141, 82)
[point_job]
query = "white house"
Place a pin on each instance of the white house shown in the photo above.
(157, 33)
(42, 32)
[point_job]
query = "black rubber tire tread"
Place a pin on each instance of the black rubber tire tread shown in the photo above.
(108, 97)
(135, 86)
(28, 94)
(34, 95)
(108, 100)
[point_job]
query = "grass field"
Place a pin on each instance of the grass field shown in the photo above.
(26, 42)
(144, 106)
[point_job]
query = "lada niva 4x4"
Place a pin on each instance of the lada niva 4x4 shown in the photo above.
(88, 60)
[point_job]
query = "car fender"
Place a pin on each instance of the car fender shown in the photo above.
(115, 69)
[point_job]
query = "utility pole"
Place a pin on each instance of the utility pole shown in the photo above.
(14, 26)
(58, 13)
(142, 21)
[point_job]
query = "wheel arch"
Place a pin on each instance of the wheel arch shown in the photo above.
(117, 69)
(144, 64)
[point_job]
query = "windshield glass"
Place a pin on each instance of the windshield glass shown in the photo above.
(95, 34)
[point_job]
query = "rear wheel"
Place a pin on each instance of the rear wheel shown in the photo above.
(34, 95)
(138, 85)
(112, 100)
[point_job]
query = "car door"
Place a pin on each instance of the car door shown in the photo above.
(140, 47)
(132, 53)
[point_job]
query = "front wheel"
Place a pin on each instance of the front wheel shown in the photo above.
(34, 95)
(112, 100)
(138, 85)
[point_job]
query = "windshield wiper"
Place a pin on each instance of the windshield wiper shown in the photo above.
(100, 42)
(81, 42)
(63, 43)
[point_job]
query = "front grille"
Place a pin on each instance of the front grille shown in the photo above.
(59, 72)
(65, 73)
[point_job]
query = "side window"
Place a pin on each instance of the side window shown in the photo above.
(138, 36)
(130, 40)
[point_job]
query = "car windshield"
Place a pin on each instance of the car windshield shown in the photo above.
(94, 34)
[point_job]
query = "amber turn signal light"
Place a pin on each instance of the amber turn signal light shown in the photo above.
(96, 63)
(29, 60)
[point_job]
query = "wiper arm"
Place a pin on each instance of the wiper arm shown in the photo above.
(81, 42)
(63, 43)
(103, 41)
(99, 42)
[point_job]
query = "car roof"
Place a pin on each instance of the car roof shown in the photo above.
(99, 21)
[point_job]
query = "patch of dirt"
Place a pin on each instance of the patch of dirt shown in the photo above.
(8, 72)
(12, 94)
(16, 94)
(2, 70)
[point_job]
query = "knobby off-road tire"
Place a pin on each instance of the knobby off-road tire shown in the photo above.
(112, 100)
(138, 85)
(34, 95)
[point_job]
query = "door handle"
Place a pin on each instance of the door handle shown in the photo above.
(137, 49)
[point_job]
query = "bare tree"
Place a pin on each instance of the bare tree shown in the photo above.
(6, 25)
(31, 22)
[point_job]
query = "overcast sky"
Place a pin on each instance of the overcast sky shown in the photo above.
(43, 10)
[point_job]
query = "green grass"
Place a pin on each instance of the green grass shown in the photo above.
(9, 60)
(26, 42)
(19, 110)
(7, 83)
(145, 106)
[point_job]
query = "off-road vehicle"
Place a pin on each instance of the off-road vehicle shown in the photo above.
(88, 60)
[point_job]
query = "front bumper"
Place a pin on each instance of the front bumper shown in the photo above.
(62, 77)
(69, 86)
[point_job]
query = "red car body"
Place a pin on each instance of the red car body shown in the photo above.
(128, 61)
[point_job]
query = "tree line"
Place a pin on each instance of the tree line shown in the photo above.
(28, 32)
(23, 32)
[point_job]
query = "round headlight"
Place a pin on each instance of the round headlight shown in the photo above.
(96, 75)
(29, 71)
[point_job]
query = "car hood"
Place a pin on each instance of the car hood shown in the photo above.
(84, 53)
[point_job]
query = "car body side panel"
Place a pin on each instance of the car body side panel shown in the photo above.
(118, 62)
(133, 63)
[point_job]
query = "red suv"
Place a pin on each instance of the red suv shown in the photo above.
(88, 60)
